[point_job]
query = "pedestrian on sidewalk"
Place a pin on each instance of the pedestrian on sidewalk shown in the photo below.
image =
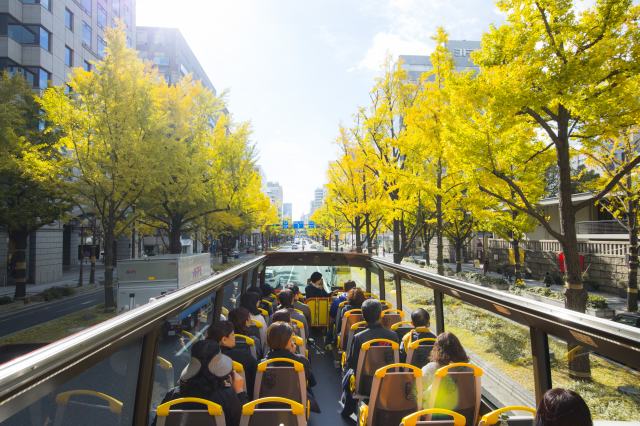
(485, 267)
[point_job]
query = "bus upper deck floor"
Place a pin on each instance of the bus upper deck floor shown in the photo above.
(133, 359)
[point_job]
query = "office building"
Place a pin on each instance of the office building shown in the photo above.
(44, 39)
(167, 49)
(461, 50)
(287, 210)
(318, 199)
(274, 192)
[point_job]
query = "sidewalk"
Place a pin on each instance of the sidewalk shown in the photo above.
(69, 279)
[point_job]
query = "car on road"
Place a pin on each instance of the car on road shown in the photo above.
(294, 247)
(628, 318)
(235, 253)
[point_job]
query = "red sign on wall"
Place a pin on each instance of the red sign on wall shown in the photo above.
(562, 265)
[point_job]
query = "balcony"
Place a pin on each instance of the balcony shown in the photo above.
(602, 230)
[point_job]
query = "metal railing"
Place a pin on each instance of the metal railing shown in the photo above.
(604, 248)
(601, 227)
(25, 380)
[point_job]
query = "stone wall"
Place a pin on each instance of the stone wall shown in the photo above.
(608, 271)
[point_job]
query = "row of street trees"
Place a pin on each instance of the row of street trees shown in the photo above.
(459, 152)
(128, 148)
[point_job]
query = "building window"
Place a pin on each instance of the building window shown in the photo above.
(44, 77)
(44, 3)
(68, 19)
(102, 16)
(85, 5)
(86, 34)
(101, 47)
(45, 39)
(68, 56)
(86, 65)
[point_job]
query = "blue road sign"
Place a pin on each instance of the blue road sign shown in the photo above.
(298, 224)
(311, 224)
(285, 224)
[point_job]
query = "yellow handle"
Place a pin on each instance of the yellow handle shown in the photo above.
(296, 408)
(412, 419)
(298, 340)
(267, 302)
(263, 312)
(237, 367)
(352, 312)
(115, 406)
(342, 304)
(189, 335)
(442, 372)
(164, 364)
(382, 371)
(212, 408)
(298, 323)
(392, 312)
(298, 311)
(297, 366)
(371, 295)
(358, 324)
(397, 325)
(343, 359)
(362, 416)
(414, 344)
(493, 417)
(258, 324)
(248, 340)
(394, 345)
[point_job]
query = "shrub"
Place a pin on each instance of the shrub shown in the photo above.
(508, 343)
(597, 302)
(5, 300)
(56, 293)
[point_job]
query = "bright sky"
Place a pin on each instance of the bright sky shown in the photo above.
(296, 69)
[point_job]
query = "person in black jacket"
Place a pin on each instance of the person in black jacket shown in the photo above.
(315, 286)
(371, 310)
(222, 333)
(210, 376)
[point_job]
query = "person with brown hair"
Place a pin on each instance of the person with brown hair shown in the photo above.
(241, 320)
(446, 350)
(355, 299)
(562, 407)
(286, 299)
(281, 315)
(297, 303)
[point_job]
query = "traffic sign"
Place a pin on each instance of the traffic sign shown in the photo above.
(298, 224)
(285, 224)
(311, 224)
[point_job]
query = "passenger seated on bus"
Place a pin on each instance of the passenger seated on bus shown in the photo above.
(371, 310)
(421, 322)
(315, 286)
(562, 407)
(209, 375)
(241, 320)
(446, 350)
(297, 304)
(281, 315)
(286, 302)
(355, 299)
(333, 310)
(222, 333)
(282, 345)
(251, 301)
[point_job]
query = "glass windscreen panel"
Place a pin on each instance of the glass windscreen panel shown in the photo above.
(102, 395)
(501, 347)
(610, 389)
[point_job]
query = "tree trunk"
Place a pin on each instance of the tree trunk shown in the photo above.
(175, 231)
(19, 262)
(225, 254)
(632, 291)
(439, 221)
(515, 243)
(367, 228)
(575, 294)
(357, 228)
(92, 270)
(109, 301)
(458, 255)
(397, 258)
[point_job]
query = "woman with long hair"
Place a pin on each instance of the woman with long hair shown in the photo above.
(446, 350)
(251, 301)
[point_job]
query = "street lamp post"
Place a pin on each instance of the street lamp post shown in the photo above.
(80, 277)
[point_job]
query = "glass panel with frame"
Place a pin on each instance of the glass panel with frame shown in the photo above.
(68, 19)
(104, 393)
(611, 390)
(498, 345)
(86, 34)
(68, 56)
(101, 16)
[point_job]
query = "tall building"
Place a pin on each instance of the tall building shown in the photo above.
(318, 199)
(44, 39)
(287, 210)
(461, 50)
(274, 192)
(167, 49)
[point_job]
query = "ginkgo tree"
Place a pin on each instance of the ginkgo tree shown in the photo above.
(111, 126)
